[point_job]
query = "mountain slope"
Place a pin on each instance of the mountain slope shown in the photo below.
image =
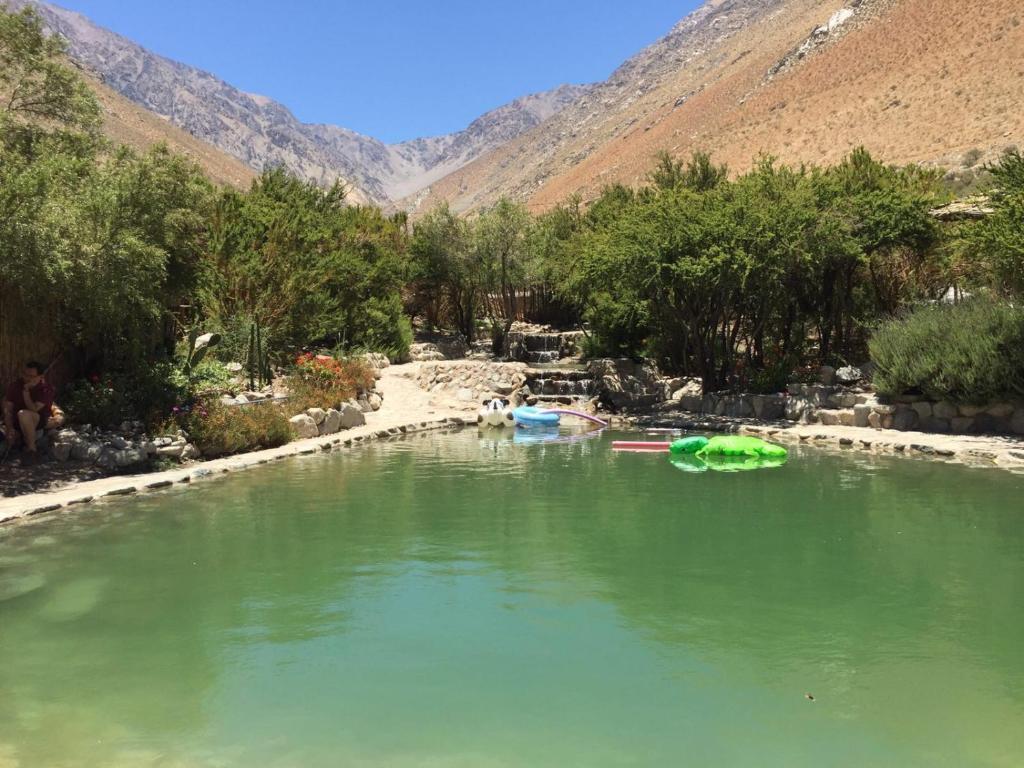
(130, 125)
(803, 80)
(262, 132)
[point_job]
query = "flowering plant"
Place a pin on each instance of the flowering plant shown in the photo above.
(322, 380)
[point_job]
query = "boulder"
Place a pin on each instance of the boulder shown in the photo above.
(351, 415)
(849, 375)
(466, 395)
(190, 452)
(61, 451)
(364, 404)
(331, 422)
(970, 411)
(173, 450)
(861, 412)
(317, 415)
(828, 417)
(827, 375)
(304, 425)
(375, 401)
(905, 419)
(944, 410)
(1017, 422)
(1000, 410)
(961, 424)
(924, 410)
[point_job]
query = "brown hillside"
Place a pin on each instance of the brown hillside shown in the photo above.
(913, 80)
(128, 124)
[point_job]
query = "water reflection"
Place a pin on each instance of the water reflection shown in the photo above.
(463, 597)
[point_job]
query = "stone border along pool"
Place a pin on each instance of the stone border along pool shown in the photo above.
(20, 508)
(991, 451)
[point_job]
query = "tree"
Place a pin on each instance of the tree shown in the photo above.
(447, 276)
(996, 243)
(306, 266)
(501, 236)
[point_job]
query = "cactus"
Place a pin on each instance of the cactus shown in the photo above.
(258, 362)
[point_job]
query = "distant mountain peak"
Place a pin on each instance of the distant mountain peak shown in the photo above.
(261, 132)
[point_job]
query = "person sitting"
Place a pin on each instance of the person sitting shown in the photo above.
(28, 407)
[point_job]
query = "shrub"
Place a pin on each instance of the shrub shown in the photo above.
(967, 353)
(147, 393)
(322, 381)
(218, 430)
(95, 400)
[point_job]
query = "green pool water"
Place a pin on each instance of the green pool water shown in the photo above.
(445, 600)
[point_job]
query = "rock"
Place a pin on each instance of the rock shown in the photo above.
(465, 395)
(924, 410)
(304, 426)
(425, 352)
(944, 410)
(227, 400)
(827, 375)
(317, 415)
(173, 451)
(905, 419)
(119, 443)
(233, 367)
(331, 422)
(1000, 411)
(375, 401)
(861, 412)
(61, 451)
(846, 418)
(1017, 422)
(190, 452)
(364, 404)
(828, 417)
(884, 409)
(961, 424)
(241, 399)
(351, 415)
(937, 425)
(880, 420)
(129, 456)
(107, 458)
(970, 411)
(849, 375)
(376, 360)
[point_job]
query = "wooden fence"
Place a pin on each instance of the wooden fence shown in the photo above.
(29, 334)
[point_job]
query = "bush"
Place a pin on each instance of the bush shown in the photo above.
(218, 430)
(322, 381)
(147, 393)
(966, 353)
(95, 400)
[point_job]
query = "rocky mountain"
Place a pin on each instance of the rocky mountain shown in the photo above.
(261, 132)
(803, 80)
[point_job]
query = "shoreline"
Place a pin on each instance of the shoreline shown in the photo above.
(986, 451)
(410, 409)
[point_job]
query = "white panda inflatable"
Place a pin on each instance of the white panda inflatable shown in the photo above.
(495, 413)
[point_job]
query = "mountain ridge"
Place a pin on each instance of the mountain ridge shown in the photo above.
(261, 132)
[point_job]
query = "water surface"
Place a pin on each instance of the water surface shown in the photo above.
(449, 601)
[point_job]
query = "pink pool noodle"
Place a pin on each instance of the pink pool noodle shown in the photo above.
(579, 414)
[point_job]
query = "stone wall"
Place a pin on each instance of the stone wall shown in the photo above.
(472, 381)
(859, 407)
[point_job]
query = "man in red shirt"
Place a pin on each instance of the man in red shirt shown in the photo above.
(28, 404)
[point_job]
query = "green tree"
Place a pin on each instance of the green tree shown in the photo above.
(996, 244)
(501, 237)
(447, 276)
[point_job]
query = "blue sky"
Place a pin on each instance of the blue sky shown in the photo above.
(395, 70)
